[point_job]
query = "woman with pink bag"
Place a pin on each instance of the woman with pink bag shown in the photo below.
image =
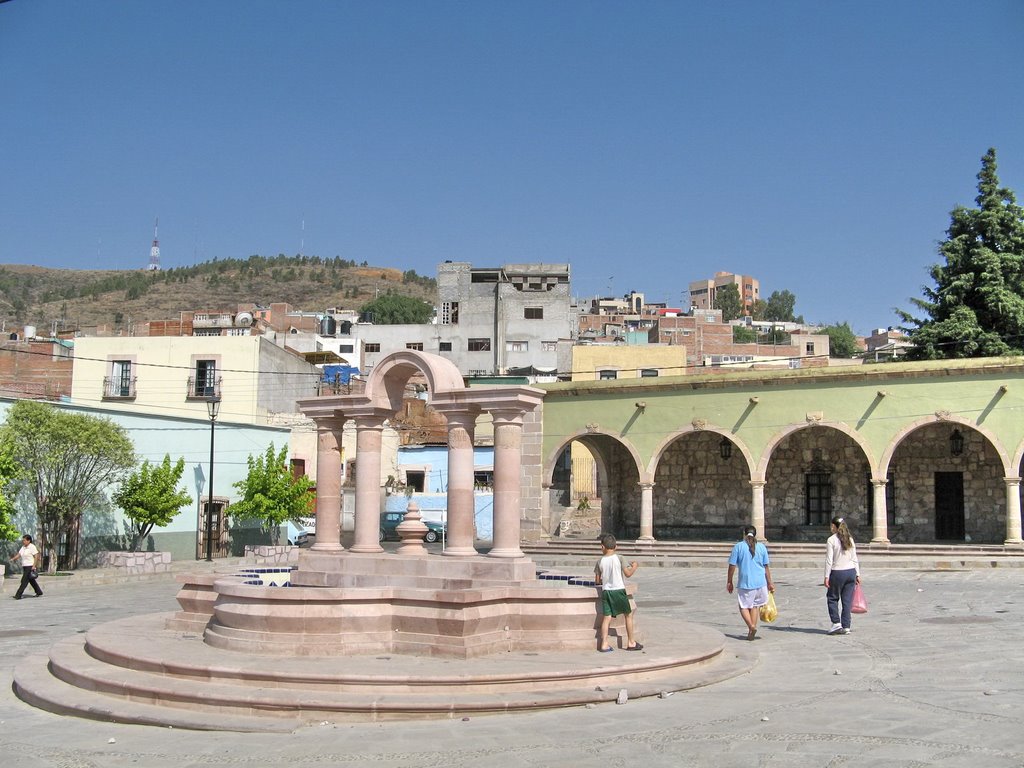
(842, 575)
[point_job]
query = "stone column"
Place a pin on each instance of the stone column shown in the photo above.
(607, 516)
(368, 441)
(461, 503)
(757, 508)
(646, 513)
(508, 462)
(1013, 528)
(880, 532)
(328, 486)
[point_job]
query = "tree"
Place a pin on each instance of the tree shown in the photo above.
(780, 307)
(842, 341)
(151, 497)
(67, 460)
(396, 310)
(976, 308)
(743, 335)
(10, 471)
(727, 299)
(271, 494)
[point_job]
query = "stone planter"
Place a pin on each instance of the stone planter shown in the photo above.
(136, 562)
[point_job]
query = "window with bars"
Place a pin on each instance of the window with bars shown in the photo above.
(479, 345)
(371, 346)
(604, 375)
(416, 345)
(120, 383)
(818, 497)
(206, 378)
(533, 313)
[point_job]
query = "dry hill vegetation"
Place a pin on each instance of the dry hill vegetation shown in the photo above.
(69, 299)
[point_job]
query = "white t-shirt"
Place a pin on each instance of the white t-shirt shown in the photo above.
(610, 568)
(28, 554)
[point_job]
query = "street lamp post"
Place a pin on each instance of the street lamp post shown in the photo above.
(212, 408)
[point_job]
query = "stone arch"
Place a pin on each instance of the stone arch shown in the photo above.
(549, 462)
(1009, 465)
(386, 383)
(941, 496)
(697, 493)
(661, 447)
(619, 503)
(769, 449)
(811, 472)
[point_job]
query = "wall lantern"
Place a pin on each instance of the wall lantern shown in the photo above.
(956, 443)
(725, 448)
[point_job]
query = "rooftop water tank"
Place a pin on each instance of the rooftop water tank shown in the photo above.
(30, 332)
(328, 326)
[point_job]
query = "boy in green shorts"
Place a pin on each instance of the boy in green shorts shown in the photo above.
(610, 574)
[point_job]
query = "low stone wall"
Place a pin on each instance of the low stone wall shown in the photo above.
(136, 562)
(260, 553)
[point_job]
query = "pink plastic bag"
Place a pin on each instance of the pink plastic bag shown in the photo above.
(860, 603)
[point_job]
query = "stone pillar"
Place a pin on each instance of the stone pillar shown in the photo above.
(461, 503)
(608, 521)
(328, 486)
(508, 462)
(880, 532)
(368, 441)
(1013, 527)
(646, 513)
(757, 508)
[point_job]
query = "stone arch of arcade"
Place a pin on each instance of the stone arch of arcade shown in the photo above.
(813, 472)
(447, 394)
(947, 478)
(701, 478)
(618, 468)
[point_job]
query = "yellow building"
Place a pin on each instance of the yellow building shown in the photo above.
(621, 361)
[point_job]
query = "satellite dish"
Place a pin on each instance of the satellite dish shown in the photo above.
(243, 319)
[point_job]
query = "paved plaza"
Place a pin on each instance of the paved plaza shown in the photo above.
(932, 676)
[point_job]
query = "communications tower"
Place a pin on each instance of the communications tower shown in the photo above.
(154, 252)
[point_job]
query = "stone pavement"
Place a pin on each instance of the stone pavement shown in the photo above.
(932, 676)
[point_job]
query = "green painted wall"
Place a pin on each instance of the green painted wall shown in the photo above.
(987, 395)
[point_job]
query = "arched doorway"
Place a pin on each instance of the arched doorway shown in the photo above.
(606, 465)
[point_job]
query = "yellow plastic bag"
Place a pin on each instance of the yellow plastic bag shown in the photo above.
(768, 610)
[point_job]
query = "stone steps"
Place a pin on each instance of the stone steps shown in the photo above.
(579, 554)
(134, 671)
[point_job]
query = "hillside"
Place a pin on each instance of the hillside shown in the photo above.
(55, 299)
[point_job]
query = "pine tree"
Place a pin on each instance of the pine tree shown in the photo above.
(976, 308)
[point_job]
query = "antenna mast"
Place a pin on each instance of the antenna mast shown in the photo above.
(154, 251)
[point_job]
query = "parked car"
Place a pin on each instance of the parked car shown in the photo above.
(389, 527)
(298, 536)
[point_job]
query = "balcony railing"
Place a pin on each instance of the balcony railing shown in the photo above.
(117, 388)
(202, 388)
(331, 388)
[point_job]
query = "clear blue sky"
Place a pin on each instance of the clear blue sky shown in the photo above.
(818, 146)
